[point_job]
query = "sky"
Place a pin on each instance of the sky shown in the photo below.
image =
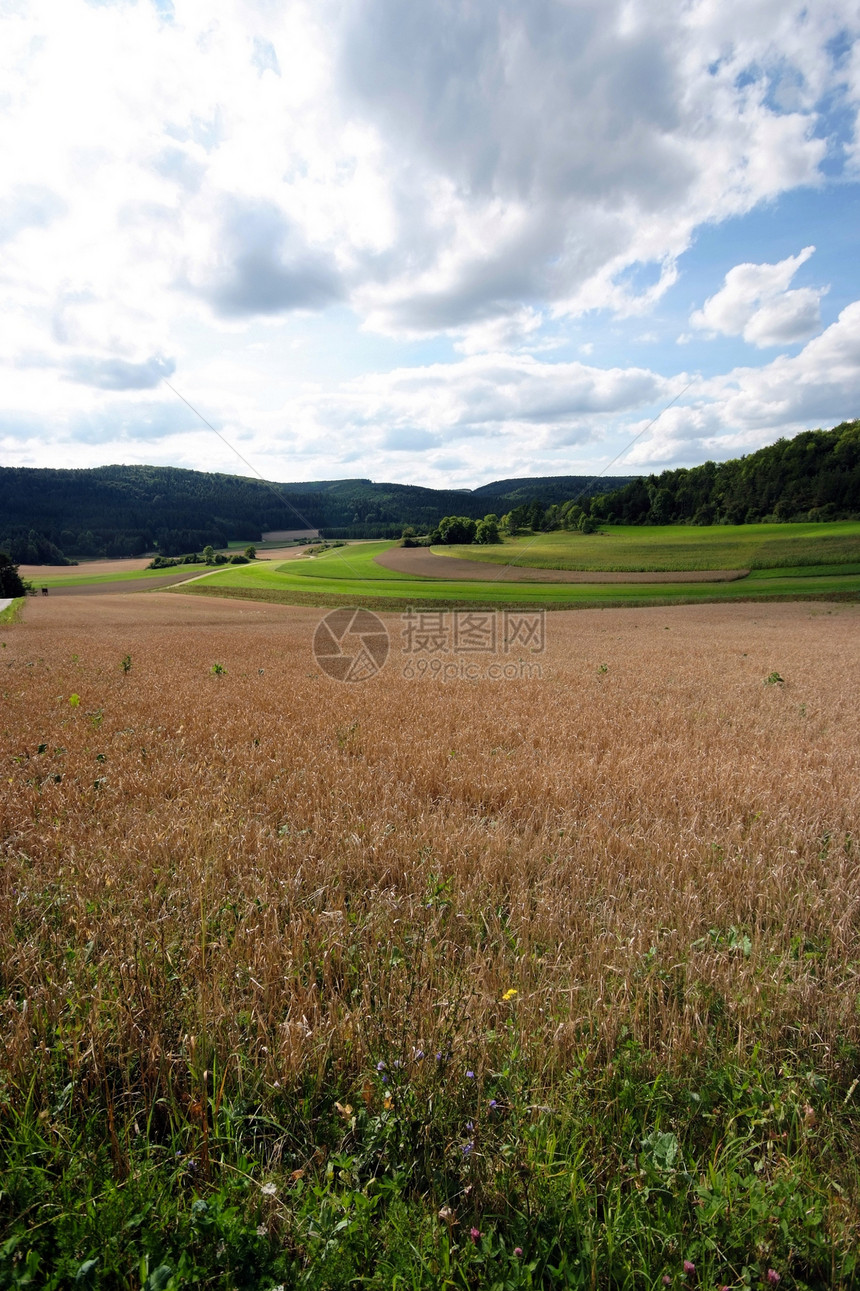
(438, 242)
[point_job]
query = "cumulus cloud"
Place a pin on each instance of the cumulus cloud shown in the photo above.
(484, 395)
(266, 267)
(743, 409)
(755, 303)
(119, 374)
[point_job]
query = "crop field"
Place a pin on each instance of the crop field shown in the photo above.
(828, 565)
(551, 981)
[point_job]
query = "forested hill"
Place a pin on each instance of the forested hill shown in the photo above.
(815, 476)
(129, 510)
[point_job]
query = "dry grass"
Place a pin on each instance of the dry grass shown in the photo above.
(272, 866)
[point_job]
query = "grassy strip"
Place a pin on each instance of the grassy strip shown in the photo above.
(12, 613)
(427, 1174)
(548, 596)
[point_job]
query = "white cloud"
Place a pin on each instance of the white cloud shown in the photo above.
(178, 177)
(748, 407)
(754, 302)
(443, 168)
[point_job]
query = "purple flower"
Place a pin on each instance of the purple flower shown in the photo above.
(474, 1233)
(773, 1277)
(380, 1066)
(419, 1054)
(438, 1057)
(466, 1149)
(385, 1080)
(518, 1250)
(493, 1104)
(689, 1266)
(470, 1125)
(470, 1075)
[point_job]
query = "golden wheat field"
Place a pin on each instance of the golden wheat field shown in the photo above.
(197, 865)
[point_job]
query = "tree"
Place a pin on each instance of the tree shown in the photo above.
(209, 554)
(11, 582)
(251, 552)
(457, 529)
(487, 531)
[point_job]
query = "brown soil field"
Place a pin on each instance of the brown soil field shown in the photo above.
(130, 566)
(225, 861)
(35, 572)
(421, 562)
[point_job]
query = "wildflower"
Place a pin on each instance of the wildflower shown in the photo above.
(518, 1250)
(511, 994)
(438, 1057)
(446, 1214)
(492, 1104)
(470, 1075)
(773, 1277)
(689, 1266)
(269, 1190)
(419, 1054)
(466, 1148)
(470, 1125)
(474, 1233)
(261, 1230)
(380, 1066)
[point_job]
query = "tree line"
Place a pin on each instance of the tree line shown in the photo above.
(48, 516)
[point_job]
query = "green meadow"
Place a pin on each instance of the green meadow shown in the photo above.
(86, 578)
(352, 572)
(671, 547)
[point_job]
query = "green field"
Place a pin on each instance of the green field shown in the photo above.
(671, 547)
(788, 561)
(350, 572)
(85, 578)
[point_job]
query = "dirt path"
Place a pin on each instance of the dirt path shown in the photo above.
(421, 562)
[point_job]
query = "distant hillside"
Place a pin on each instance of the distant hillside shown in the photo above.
(128, 510)
(814, 476)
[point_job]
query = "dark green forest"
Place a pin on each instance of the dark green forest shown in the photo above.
(48, 515)
(814, 476)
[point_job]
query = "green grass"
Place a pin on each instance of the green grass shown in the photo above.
(789, 561)
(132, 575)
(672, 547)
(351, 572)
(12, 612)
(424, 1174)
(355, 561)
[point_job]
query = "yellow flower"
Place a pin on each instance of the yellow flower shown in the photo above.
(510, 995)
